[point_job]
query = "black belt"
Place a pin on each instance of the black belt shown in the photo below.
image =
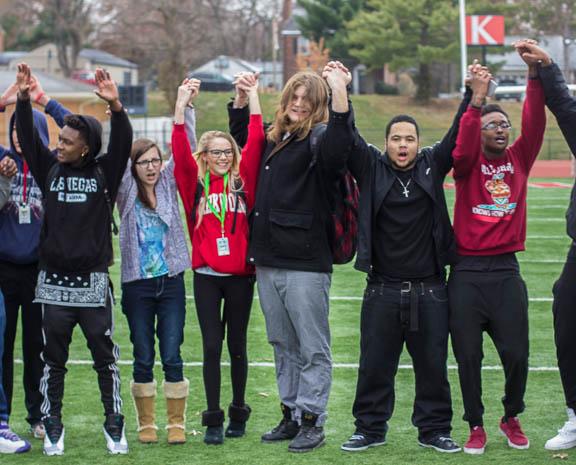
(409, 313)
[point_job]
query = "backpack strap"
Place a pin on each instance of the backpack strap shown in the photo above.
(197, 197)
(237, 194)
(315, 134)
(101, 180)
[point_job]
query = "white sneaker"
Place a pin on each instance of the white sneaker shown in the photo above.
(11, 443)
(566, 437)
(54, 446)
(115, 435)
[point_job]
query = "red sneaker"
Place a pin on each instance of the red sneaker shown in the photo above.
(513, 431)
(476, 442)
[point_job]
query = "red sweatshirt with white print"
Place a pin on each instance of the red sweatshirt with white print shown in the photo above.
(490, 208)
(205, 236)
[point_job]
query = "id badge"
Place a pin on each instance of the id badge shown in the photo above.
(24, 214)
(223, 246)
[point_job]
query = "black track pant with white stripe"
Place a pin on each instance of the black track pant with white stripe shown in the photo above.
(97, 324)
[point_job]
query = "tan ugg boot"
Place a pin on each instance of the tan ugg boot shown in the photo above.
(144, 395)
(176, 396)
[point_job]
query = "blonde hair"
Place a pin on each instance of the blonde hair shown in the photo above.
(235, 184)
(317, 96)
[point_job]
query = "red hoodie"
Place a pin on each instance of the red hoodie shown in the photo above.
(490, 208)
(204, 247)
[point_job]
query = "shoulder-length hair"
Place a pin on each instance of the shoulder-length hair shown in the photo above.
(235, 183)
(317, 96)
(139, 148)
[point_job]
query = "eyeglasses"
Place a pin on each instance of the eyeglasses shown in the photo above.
(228, 153)
(502, 125)
(155, 162)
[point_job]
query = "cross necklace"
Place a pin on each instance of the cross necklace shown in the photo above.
(405, 191)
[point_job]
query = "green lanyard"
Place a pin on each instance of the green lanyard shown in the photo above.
(222, 214)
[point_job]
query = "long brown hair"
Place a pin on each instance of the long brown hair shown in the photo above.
(139, 148)
(235, 184)
(317, 96)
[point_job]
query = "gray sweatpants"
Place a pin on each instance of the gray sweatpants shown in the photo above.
(295, 306)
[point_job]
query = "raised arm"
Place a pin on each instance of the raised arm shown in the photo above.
(558, 97)
(188, 117)
(36, 154)
(185, 167)
(238, 111)
(120, 144)
(533, 112)
(442, 151)
(252, 151)
(336, 142)
(468, 141)
(57, 111)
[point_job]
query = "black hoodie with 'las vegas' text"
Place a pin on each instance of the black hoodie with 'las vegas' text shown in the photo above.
(76, 234)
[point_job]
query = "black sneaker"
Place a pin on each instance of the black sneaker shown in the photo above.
(358, 442)
(286, 429)
(441, 443)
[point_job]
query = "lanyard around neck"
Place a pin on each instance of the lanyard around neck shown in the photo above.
(221, 215)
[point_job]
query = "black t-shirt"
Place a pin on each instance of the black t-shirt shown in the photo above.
(402, 244)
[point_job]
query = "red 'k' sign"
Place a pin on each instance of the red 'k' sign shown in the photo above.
(485, 30)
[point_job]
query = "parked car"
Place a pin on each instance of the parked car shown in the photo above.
(86, 76)
(214, 82)
(509, 89)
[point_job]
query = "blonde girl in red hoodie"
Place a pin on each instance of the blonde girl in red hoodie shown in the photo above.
(217, 186)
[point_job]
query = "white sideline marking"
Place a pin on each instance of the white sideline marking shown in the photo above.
(561, 236)
(271, 365)
(546, 220)
(359, 298)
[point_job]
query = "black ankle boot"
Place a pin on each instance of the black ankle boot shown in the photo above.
(213, 420)
(238, 417)
(286, 429)
(310, 436)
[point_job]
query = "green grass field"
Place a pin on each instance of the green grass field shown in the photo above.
(541, 264)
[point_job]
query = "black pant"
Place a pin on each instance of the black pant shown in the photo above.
(495, 302)
(18, 283)
(383, 331)
(97, 324)
(237, 293)
(564, 309)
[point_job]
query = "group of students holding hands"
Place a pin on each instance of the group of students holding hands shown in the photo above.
(258, 205)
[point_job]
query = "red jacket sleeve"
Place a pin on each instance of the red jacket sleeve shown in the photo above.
(527, 146)
(468, 143)
(251, 157)
(185, 171)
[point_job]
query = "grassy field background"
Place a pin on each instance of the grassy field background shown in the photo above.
(372, 113)
(541, 264)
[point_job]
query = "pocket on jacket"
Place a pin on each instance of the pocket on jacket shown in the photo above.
(291, 233)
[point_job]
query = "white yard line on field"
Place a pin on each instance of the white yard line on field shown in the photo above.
(358, 298)
(271, 365)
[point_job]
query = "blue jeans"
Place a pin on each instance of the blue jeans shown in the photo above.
(143, 301)
(3, 402)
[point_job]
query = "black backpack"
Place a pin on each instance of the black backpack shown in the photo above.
(345, 210)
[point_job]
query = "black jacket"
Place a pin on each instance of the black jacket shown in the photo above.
(375, 177)
(563, 106)
(292, 225)
(76, 235)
